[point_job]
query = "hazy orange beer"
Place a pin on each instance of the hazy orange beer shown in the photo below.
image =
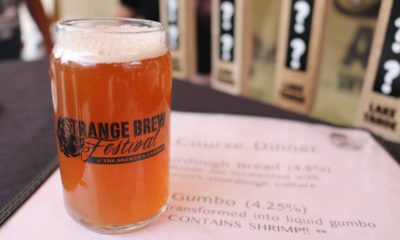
(111, 88)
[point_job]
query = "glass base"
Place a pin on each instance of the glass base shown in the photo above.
(118, 229)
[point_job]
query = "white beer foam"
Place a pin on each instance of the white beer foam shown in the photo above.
(109, 44)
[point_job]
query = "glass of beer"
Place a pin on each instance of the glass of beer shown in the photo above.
(111, 88)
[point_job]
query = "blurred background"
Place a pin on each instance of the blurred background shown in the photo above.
(347, 31)
(58, 9)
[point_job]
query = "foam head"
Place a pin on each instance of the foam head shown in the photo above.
(108, 41)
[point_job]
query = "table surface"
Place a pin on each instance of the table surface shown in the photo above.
(28, 149)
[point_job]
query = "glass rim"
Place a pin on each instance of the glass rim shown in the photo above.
(89, 25)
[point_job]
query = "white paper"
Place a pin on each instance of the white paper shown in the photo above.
(236, 177)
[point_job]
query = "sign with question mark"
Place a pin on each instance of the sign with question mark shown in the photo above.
(179, 19)
(299, 34)
(231, 51)
(379, 103)
(227, 30)
(299, 53)
(173, 27)
(387, 79)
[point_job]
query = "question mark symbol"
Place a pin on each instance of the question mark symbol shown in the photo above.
(227, 45)
(302, 9)
(172, 10)
(173, 30)
(299, 47)
(396, 44)
(173, 36)
(392, 68)
(227, 12)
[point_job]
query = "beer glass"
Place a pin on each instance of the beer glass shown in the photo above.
(111, 90)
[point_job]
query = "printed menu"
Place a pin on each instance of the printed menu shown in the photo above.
(240, 177)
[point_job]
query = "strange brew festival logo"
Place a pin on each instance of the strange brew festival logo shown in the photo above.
(111, 142)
